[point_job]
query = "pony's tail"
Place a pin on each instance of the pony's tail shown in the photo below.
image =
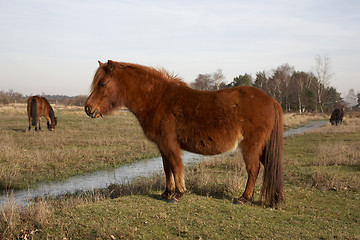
(272, 188)
(33, 111)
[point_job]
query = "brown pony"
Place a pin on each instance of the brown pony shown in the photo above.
(37, 107)
(175, 117)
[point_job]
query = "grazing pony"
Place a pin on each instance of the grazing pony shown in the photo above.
(337, 116)
(37, 107)
(175, 117)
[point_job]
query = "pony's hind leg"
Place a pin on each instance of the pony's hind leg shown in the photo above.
(29, 124)
(251, 157)
(39, 124)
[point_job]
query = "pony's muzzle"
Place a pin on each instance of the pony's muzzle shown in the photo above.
(89, 113)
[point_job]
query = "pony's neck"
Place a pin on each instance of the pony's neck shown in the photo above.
(142, 91)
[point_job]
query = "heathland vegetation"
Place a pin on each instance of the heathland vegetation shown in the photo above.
(322, 184)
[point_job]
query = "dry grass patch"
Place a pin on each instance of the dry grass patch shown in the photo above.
(13, 108)
(293, 120)
(338, 154)
(328, 179)
(25, 222)
(328, 158)
(221, 176)
(337, 167)
(349, 125)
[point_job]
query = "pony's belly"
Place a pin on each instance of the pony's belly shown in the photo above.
(208, 147)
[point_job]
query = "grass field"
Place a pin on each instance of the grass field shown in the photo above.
(78, 145)
(322, 183)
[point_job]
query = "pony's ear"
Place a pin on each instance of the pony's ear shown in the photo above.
(107, 67)
(110, 65)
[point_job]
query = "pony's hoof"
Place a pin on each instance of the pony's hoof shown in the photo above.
(177, 196)
(241, 200)
(174, 201)
(165, 196)
(162, 198)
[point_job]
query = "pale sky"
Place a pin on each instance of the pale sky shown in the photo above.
(52, 47)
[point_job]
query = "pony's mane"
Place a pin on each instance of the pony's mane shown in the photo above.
(51, 113)
(100, 73)
(159, 73)
(170, 77)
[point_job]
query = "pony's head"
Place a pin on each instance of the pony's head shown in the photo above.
(51, 126)
(53, 121)
(104, 95)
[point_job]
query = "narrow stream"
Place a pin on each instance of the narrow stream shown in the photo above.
(310, 126)
(123, 174)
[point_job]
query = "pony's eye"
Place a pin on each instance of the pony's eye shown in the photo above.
(102, 84)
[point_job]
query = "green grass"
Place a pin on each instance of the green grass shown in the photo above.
(307, 215)
(322, 195)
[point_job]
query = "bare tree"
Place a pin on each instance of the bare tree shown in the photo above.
(284, 72)
(279, 84)
(297, 82)
(217, 78)
(261, 81)
(202, 82)
(323, 75)
(351, 99)
(301, 95)
(209, 81)
(11, 97)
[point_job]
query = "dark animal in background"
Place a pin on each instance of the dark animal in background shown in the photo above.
(38, 107)
(337, 116)
(176, 117)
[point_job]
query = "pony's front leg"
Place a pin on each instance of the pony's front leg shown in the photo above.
(170, 184)
(178, 171)
(174, 171)
(39, 124)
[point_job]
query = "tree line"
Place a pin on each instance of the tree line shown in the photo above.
(14, 97)
(295, 90)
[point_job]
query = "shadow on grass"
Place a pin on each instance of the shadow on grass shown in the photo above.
(18, 129)
(147, 187)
